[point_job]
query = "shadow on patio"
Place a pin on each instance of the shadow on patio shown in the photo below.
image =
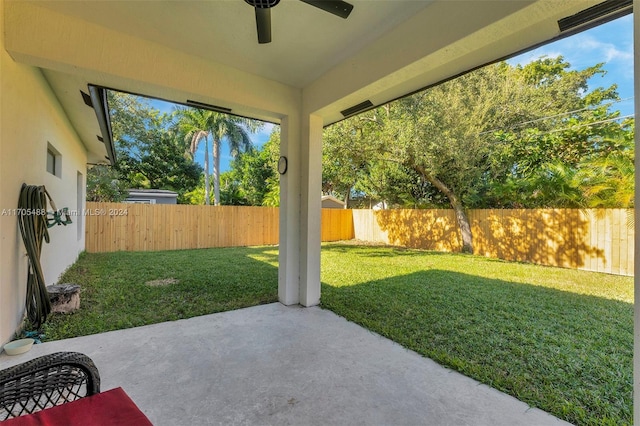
(273, 364)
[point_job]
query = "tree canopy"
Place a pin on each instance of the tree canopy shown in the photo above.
(199, 125)
(502, 136)
(150, 152)
(157, 150)
(253, 179)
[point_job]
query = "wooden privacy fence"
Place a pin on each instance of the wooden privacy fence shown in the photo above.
(143, 227)
(593, 240)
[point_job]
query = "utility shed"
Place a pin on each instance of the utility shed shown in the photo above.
(152, 196)
(329, 202)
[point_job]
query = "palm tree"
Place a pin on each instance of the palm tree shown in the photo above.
(194, 124)
(198, 124)
(236, 131)
(609, 182)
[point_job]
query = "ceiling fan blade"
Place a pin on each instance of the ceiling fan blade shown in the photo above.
(263, 24)
(336, 7)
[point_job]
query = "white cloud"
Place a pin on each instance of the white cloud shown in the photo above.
(611, 43)
(581, 52)
(588, 45)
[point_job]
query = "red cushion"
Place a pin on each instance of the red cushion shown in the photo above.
(113, 407)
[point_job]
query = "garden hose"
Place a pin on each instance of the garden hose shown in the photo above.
(32, 219)
(58, 217)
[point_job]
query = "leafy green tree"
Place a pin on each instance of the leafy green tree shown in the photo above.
(253, 176)
(608, 182)
(150, 153)
(604, 179)
(348, 149)
(104, 184)
(444, 134)
(236, 132)
(272, 195)
(579, 127)
(448, 133)
(196, 196)
(199, 125)
(501, 136)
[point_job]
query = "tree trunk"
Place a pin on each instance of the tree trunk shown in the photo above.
(465, 227)
(461, 216)
(206, 172)
(346, 198)
(216, 172)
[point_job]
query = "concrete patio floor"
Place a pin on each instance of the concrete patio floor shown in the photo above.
(278, 365)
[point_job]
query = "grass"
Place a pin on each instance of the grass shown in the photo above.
(558, 339)
(130, 289)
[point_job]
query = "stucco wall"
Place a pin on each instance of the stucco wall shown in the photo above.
(30, 118)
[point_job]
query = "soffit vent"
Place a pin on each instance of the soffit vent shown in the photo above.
(87, 99)
(596, 15)
(357, 108)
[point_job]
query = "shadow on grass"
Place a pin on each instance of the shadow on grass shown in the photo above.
(381, 250)
(129, 289)
(566, 353)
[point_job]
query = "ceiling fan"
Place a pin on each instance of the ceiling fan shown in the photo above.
(263, 13)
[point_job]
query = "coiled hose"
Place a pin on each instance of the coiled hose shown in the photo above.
(32, 219)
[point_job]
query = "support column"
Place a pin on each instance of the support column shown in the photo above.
(310, 209)
(300, 211)
(289, 249)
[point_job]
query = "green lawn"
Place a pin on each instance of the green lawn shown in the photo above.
(125, 289)
(558, 339)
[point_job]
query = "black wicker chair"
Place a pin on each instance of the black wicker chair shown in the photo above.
(45, 382)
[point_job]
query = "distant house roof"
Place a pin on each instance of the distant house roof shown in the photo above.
(329, 202)
(154, 192)
(152, 196)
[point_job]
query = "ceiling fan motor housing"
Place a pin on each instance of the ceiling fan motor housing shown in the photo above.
(263, 4)
(263, 13)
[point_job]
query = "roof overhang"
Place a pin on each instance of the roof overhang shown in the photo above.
(98, 96)
(315, 65)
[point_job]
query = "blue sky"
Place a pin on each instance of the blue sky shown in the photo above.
(611, 43)
(258, 138)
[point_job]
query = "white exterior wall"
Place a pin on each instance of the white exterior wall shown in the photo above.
(31, 117)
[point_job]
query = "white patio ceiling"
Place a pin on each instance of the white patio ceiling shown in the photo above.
(317, 63)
